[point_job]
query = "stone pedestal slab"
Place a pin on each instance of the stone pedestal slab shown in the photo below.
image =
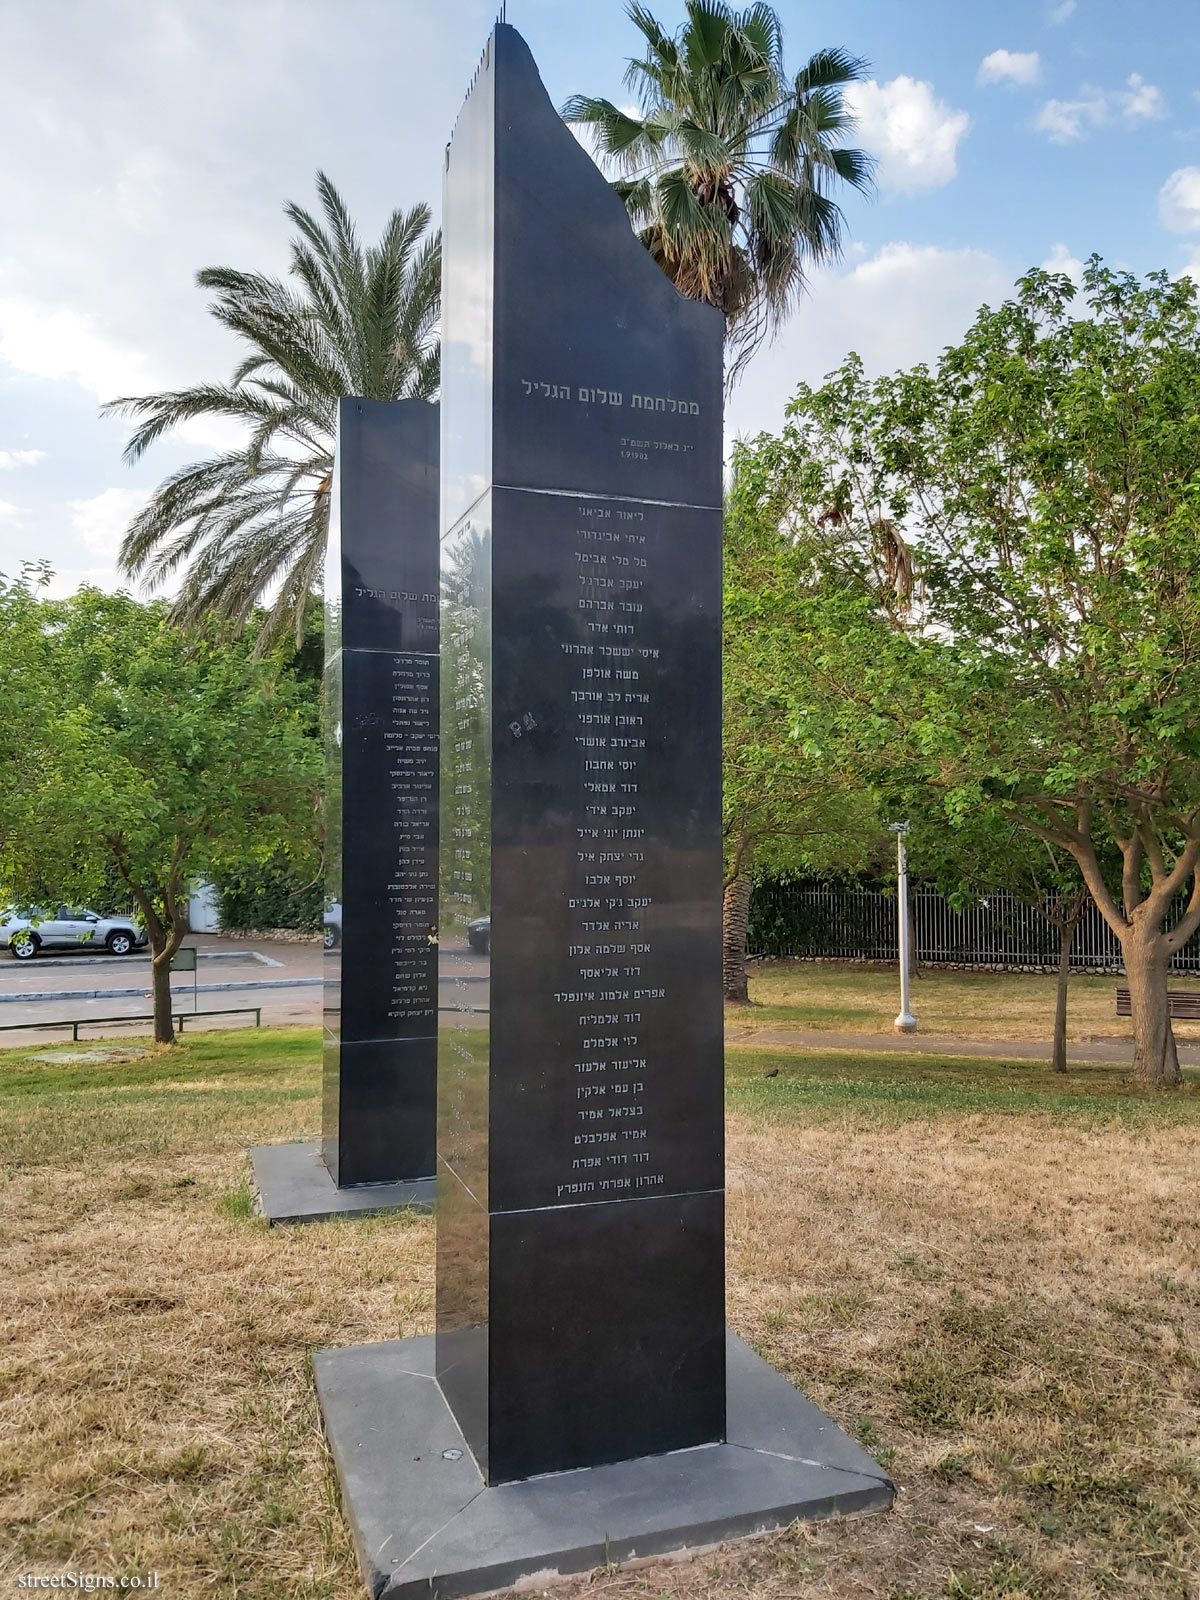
(293, 1184)
(425, 1523)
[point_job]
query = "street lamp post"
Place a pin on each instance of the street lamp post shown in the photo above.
(905, 1021)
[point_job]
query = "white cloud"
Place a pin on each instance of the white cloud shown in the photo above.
(57, 343)
(913, 134)
(102, 520)
(1060, 259)
(1064, 120)
(1179, 201)
(20, 458)
(1009, 66)
(903, 304)
(1141, 101)
(54, 342)
(1060, 13)
(8, 511)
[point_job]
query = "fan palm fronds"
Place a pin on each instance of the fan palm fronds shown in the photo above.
(729, 171)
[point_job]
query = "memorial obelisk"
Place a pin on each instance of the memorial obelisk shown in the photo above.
(580, 1134)
(581, 1400)
(381, 709)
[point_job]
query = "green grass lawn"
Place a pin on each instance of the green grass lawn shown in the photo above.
(861, 997)
(808, 1084)
(985, 1272)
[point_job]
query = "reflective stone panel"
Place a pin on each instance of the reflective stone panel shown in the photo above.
(605, 378)
(389, 849)
(606, 851)
(464, 973)
(580, 1306)
(380, 577)
(464, 921)
(467, 299)
(602, 1333)
(381, 690)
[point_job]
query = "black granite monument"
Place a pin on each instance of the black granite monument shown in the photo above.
(381, 828)
(580, 1297)
(573, 1404)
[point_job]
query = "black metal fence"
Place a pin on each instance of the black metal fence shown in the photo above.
(996, 930)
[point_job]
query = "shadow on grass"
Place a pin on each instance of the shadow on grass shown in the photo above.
(808, 1083)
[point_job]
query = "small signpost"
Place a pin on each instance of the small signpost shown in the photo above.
(184, 960)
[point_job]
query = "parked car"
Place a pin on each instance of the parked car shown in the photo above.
(479, 935)
(28, 929)
(332, 935)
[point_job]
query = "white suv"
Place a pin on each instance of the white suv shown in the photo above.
(28, 929)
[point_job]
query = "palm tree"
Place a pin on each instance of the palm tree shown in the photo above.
(728, 171)
(356, 321)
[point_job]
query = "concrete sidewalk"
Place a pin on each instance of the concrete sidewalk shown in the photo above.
(293, 1007)
(281, 978)
(222, 963)
(939, 1044)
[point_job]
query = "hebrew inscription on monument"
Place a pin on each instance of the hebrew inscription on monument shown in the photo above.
(580, 1193)
(381, 802)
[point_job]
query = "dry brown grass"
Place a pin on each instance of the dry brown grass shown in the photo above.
(1002, 1303)
(856, 997)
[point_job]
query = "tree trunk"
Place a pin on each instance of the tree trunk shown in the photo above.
(735, 922)
(164, 942)
(164, 932)
(160, 971)
(1066, 940)
(1155, 1058)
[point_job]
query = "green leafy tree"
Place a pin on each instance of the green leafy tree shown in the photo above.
(785, 813)
(983, 852)
(352, 320)
(729, 173)
(1043, 482)
(132, 751)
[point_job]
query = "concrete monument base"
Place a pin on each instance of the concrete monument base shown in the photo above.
(424, 1522)
(293, 1184)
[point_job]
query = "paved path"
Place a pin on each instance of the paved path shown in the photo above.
(940, 1044)
(282, 979)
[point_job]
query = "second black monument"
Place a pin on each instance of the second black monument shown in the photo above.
(381, 783)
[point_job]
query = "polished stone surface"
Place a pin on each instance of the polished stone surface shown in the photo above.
(601, 1322)
(293, 1184)
(381, 682)
(424, 1521)
(580, 1261)
(569, 361)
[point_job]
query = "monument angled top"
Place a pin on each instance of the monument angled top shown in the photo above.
(597, 356)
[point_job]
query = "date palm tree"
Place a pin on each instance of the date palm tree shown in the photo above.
(349, 321)
(730, 170)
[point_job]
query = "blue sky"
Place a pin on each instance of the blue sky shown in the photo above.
(145, 139)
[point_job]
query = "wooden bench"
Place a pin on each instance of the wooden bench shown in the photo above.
(1184, 1004)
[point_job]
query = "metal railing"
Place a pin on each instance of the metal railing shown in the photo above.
(75, 1023)
(811, 921)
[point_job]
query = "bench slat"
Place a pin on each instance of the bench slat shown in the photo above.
(1184, 1004)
